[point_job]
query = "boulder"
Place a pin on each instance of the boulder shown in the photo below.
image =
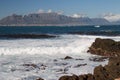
(110, 71)
(73, 77)
(86, 77)
(68, 57)
(98, 59)
(105, 47)
(39, 79)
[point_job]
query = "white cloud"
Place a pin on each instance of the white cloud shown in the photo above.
(111, 17)
(49, 11)
(78, 15)
(41, 11)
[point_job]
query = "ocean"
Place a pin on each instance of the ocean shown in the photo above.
(27, 58)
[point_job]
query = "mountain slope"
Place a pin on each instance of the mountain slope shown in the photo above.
(50, 19)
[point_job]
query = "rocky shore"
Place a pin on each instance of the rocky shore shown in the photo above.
(106, 48)
(111, 71)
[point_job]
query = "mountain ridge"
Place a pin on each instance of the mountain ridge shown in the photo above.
(50, 19)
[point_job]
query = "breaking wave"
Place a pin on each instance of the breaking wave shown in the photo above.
(65, 44)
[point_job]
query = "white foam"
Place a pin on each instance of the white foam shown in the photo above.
(67, 44)
(15, 53)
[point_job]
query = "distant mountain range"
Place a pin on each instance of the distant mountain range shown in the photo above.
(51, 19)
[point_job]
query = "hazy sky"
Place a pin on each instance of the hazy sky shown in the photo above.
(92, 8)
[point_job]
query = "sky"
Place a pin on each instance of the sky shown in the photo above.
(92, 8)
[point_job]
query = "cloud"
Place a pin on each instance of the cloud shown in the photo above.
(41, 11)
(111, 17)
(78, 15)
(49, 11)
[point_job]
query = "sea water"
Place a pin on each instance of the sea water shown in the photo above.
(48, 54)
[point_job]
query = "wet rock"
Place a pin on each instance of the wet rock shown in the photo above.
(39, 79)
(55, 60)
(105, 47)
(79, 65)
(73, 77)
(79, 59)
(86, 77)
(31, 65)
(61, 64)
(68, 57)
(98, 59)
(27, 36)
(32, 78)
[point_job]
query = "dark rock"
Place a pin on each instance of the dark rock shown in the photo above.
(79, 59)
(39, 79)
(105, 47)
(32, 78)
(79, 65)
(31, 65)
(98, 59)
(73, 77)
(27, 36)
(61, 64)
(86, 77)
(100, 73)
(55, 60)
(68, 57)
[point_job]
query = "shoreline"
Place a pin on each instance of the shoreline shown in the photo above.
(55, 25)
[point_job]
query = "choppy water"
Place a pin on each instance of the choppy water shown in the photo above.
(14, 53)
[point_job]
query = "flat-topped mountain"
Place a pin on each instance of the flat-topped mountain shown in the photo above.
(40, 19)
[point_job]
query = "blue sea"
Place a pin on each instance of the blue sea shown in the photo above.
(48, 54)
(61, 30)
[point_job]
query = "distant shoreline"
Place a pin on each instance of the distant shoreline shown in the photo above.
(56, 25)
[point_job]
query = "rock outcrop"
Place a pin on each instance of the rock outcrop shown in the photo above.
(73, 77)
(111, 71)
(105, 47)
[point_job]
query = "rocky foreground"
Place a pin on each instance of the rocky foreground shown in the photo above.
(108, 72)
(103, 47)
(111, 71)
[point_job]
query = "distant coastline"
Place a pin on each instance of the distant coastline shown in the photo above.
(52, 19)
(55, 25)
